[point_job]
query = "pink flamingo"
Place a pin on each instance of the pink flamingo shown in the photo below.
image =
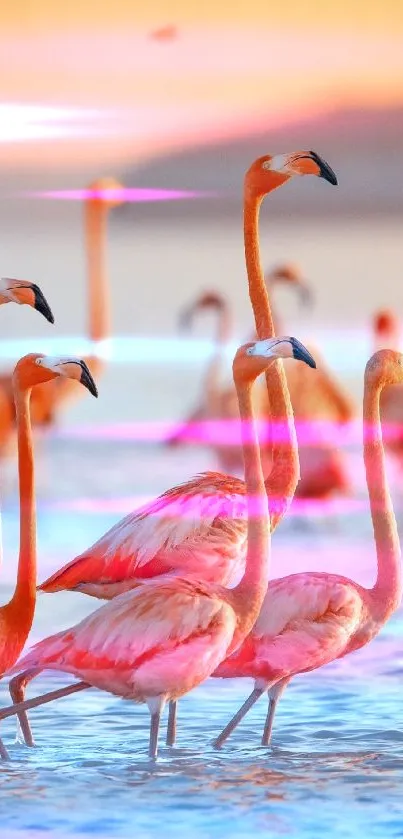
(16, 616)
(208, 541)
(308, 620)
(157, 642)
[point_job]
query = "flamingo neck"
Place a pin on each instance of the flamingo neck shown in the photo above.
(386, 593)
(283, 479)
(98, 288)
(224, 326)
(212, 379)
(249, 594)
(25, 592)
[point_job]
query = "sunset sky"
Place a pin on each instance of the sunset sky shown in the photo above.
(87, 78)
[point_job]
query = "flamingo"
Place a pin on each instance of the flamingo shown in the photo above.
(158, 641)
(386, 332)
(21, 292)
(314, 399)
(218, 402)
(308, 620)
(16, 616)
(208, 541)
(103, 194)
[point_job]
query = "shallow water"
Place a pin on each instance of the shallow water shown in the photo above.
(336, 764)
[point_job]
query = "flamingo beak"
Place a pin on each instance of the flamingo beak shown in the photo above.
(41, 304)
(301, 353)
(325, 171)
(87, 380)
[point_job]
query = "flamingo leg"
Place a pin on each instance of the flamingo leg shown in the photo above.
(3, 752)
(268, 726)
(156, 707)
(172, 720)
(247, 705)
(38, 700)
(274, 695)
(17, 688)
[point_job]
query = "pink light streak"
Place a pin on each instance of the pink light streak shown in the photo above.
(309, 507)
(126, 194)
(228, 432)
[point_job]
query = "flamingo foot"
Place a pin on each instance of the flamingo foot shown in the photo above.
(17, 688)
(4, 755)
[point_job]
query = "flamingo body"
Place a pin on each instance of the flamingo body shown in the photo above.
(160, 639)
(196, 528)
(306, 621)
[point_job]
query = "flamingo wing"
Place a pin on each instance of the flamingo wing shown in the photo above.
(197, 526)
(149, 641)
(307, 620)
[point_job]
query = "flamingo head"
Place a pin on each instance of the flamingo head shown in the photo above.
(22, 291)
(271, 171)
(290, 274)
(254, 358)
(106, 191)
(207, 300)
(385, 367)
(385, 321)
(35, 369)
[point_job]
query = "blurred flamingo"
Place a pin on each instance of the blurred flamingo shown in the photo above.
(308, 620)
(104, 194)
(160, 640)
(217, 401)
(199, 527)
(316, 401)
(16, 616)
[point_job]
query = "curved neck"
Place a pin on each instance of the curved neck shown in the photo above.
(386, 592)
(249, 594)
(284, 476)
(212, 379)
(98, 289)
(25, 591)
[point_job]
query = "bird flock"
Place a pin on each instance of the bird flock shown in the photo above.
(187, 577)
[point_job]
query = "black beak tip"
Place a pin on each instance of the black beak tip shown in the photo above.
(301, 353)
(42, 305)
(325, 171)
(87, 380)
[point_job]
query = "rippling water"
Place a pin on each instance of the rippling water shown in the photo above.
(336, 764)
